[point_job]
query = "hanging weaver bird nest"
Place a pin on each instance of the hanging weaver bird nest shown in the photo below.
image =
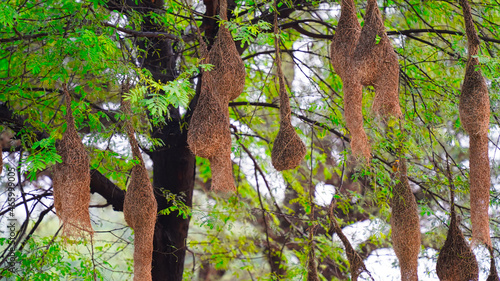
(140, 208)
(208, 129)
(209, 134)
(71, 180)
(288, 149)
(222, 170)
(229, 69)
(456, 261)
(474, 108)
(364, 57)
(405, 225)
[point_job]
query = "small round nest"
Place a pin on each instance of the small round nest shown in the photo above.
(456, 261)
(71, 180)
(405, 225)
(288, 149)
(140, 208)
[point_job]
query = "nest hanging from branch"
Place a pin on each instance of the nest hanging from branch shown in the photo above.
(139, 207)
(364, 57)
(405, 225)
(209, 134)
(474, 108)
(208, 129)
(229, 69)
(71, 180)
(288, 149)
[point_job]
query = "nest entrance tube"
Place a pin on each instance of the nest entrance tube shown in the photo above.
(288, 149)
(71, 180)
(474, 109)
(364, 57)
(139, 207)
(405, 225)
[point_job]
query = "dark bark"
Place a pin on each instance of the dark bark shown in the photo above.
(173, 171)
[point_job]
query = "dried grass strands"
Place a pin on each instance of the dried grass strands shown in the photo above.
(474, 108)
(140, 208)
(222, 170)
(71, 180)
(229, 69)
(208, 129)
(364, 57)
(405, 225)
(345, 40)
(209, 134)
(456, 261)
(377, 63)
(288, 149)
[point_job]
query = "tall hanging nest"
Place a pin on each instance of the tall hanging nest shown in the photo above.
(456, 261)
(288, 149)
(474, 108)
(209, 134)
(405, 225)
(364, 57)
(71, 180)
(139, 207)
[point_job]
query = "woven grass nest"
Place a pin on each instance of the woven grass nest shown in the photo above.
(209, 134)
(365, 57)
(140, 208)
(405, 225)
(288, 149)
(474, 108)
(71, 180)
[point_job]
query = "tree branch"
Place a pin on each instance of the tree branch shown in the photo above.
(107, 189)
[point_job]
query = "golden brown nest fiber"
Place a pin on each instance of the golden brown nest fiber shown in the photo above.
(456, 261)
(474, 108)
(405, 225)
(222, 170)
(71, 180)
(140, 207)
(364, 57)
(288, 149)
(209, 134)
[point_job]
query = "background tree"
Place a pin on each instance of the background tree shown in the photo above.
(277, 223)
